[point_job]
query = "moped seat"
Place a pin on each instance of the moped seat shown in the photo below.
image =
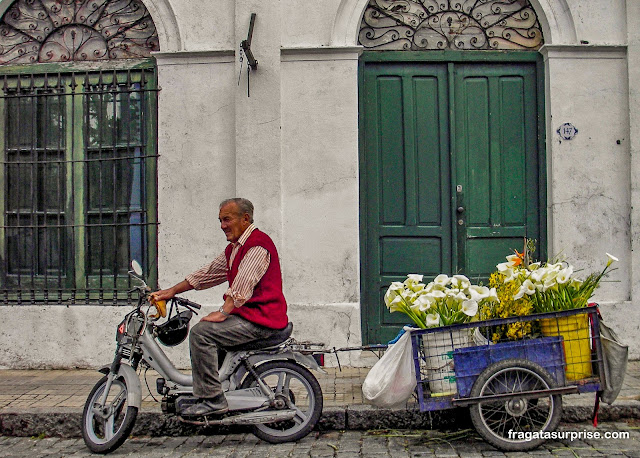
(272, 341)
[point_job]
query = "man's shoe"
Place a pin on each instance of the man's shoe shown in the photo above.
(213, 406)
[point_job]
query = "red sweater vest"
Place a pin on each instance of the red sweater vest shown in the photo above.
(267, 307)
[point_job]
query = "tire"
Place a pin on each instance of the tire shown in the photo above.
(301, 392)
(494, 419)
(104, 436)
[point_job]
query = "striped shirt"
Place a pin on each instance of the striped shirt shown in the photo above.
(251, 269)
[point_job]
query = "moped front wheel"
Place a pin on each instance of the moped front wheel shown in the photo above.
(294, 388)
(106, 427)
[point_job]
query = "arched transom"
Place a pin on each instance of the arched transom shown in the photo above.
(76, 30)
(450, 24)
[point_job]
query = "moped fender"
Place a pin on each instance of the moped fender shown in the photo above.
(134, 391)
(304, 360)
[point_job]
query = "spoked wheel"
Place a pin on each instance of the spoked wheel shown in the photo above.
(104, 429)
(509, 423)
(294, 388)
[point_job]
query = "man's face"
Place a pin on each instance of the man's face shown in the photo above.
(232, 222)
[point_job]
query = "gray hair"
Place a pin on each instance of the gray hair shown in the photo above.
(244, 206)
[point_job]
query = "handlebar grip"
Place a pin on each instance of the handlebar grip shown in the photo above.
(184, 301)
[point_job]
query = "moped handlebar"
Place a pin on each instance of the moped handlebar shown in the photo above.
(187, 303)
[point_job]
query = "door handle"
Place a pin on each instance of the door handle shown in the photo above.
(460, 209)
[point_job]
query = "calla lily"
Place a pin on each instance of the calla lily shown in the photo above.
(460, 282)
(564, 275)
(418, 287)
(442, 280)
(396, 286)
(478, 293)
(470, 308)
(432, 320)
(413, 278)
(424, 302)
(503, 266)
(396, 304)
(527, 288)
(534, 266)
(611, 259)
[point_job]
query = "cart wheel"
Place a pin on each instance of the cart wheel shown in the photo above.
(508, 424)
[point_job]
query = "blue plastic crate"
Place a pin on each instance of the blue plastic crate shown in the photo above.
(470, 362)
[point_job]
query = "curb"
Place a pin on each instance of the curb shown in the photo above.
(66, 424)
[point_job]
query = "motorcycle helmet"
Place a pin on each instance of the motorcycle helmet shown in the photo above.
(173, 331)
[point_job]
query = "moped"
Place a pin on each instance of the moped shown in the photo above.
(267, 383)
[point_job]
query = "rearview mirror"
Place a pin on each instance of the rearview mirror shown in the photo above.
(135, 265)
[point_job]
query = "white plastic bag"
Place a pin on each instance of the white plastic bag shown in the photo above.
(392, 379)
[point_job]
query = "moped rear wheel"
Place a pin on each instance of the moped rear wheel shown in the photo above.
(104, 429)
(294, 388)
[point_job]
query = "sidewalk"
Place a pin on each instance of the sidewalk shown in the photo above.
(50, 402)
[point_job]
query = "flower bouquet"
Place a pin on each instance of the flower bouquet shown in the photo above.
(552, 287)
(442, 302)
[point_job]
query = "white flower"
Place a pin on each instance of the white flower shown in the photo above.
(503, 266)
(424, 302)
(432, 319)
(442, 280)
(413, 278)
(394, 306)
(460, 296)
(470, 308)
(564, 275)
(396, 285)
(460, 282)
(611, 260)
(437, 294)
(534, 266)
(551, 283)
(527, 288)
(479, 293)
(417, 287)
(510, 275)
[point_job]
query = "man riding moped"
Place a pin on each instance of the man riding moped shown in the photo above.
(254, 305)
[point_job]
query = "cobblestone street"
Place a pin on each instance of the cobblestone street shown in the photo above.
(382, 443)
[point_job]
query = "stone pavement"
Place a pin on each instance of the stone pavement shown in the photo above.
(50, 402)
(377, 443)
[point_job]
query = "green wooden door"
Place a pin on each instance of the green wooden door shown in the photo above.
(450, 176)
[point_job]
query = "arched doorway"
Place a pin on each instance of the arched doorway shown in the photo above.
(452, 142)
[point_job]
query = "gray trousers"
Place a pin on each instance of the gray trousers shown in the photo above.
(204, 340)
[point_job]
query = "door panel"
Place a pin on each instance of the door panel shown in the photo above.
(405, 129)
(495, 123)
(450, 174)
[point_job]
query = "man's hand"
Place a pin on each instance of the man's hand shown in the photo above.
(214, 317)
(166, 294)
(218, 316)
(162, 295)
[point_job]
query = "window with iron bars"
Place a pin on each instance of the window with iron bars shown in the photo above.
(80, 182)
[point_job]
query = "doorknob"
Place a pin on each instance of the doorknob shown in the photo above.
(460, 209)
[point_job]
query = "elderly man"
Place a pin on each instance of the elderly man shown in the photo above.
(254, 305)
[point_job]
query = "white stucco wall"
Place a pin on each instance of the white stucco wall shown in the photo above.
(292, 148)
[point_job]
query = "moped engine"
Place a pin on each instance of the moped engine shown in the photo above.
(177, 404)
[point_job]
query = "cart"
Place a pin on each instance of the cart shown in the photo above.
(513, 388)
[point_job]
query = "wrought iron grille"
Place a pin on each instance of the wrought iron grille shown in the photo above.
(418, 25)
(79, 175)
(76, 30)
